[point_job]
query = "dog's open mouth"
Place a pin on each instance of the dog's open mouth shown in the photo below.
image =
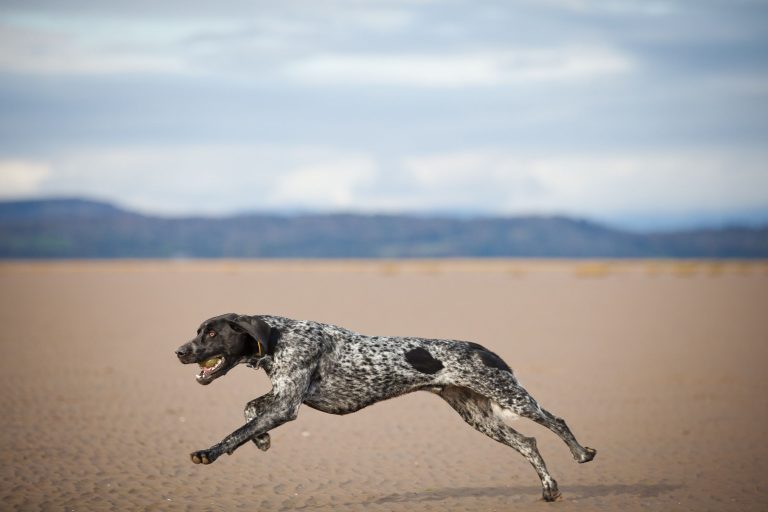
(209, 367)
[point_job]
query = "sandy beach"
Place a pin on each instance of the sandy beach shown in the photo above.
(659, 365)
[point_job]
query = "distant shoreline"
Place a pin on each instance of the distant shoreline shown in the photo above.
(509, 266)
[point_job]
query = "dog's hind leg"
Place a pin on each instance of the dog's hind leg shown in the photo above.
(477, 410)
(509, 395)
(557, 425)
(523, 404)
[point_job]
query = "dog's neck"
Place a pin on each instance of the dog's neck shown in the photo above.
(257, 362)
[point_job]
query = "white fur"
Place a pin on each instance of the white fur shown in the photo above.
(503, 413)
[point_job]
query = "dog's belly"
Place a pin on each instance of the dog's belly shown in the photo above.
(342, 393)
(335, 406)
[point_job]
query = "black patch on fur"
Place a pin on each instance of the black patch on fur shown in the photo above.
(491, 360)
(488, 358)
(476, 346)
(274, 337)
(422, 361)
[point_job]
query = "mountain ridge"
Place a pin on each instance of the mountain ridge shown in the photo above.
(82, 228)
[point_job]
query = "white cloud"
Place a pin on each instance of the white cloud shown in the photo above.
(82, 42)
(333, 184)
(471, 180)
(213, 179)
(220, 179)
(480, 68)
(21, 177)
(602, 184)
(672, 182)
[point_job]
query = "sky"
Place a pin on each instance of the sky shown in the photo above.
(644, 114)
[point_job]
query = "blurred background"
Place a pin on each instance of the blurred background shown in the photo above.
(639, 116)
(385, 129)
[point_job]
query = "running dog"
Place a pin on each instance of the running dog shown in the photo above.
(338, 371)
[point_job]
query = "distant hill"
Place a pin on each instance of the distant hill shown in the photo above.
(76, 228)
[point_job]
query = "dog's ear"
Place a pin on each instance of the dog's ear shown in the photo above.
(257, 329)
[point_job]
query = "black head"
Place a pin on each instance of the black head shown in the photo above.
(223, 342)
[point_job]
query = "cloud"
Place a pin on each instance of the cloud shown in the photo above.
(72, 48)
(299, 48)
(480, 68)
(578, 106)
(20, 178)
(88, 41)
(382, 20)
(333, 184)
(471, 179)
(599, 184)
(227, 178)
(214, 178)
(632, 7)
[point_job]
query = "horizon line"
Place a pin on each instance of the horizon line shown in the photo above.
(629, 222)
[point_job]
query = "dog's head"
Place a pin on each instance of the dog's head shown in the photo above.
(223, 342)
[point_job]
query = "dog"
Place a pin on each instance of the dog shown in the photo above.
(338, 371)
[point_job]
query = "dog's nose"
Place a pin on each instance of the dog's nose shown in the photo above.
(181, 351)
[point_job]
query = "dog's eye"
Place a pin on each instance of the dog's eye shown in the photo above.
(211, 334)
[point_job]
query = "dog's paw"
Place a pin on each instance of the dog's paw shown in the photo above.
(551, 492)
(262, 442)
(588, 455)
(552, 496)
(203, 456)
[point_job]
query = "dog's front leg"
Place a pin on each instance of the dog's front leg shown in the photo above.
(291, 377)
(253, 409)
(274, 412)
(290, 383)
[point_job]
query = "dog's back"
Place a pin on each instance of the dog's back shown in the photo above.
(357, 370)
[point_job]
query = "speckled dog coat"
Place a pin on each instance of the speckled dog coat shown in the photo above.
(338, 371)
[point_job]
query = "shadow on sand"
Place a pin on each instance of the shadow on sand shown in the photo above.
(512, 492)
